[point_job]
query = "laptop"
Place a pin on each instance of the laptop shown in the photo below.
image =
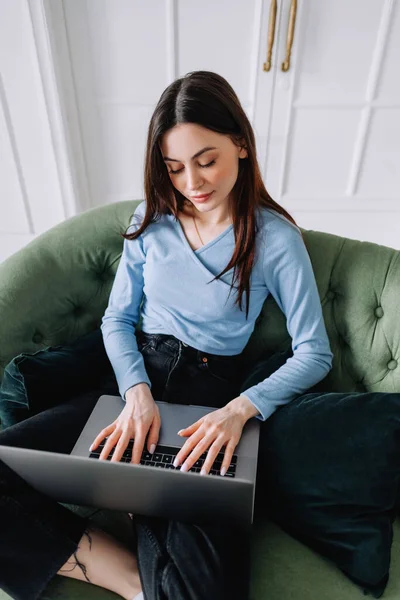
(154, 487)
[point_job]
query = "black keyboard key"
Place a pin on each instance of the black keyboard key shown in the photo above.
(157, 457)
(227, 474)
(160, 465)
(167, 458)
(169, 466)
(167, 450)
(146, 455)
(199, 463)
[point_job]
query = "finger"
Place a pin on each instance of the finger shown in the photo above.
(121, 446)
(103, 434)
(187, 447)
(191, 429)
(154, 434)
(138, 445)
(230, 448)
(212, 454)
(198, 449)
(110, 443)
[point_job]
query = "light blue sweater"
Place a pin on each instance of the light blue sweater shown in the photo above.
(161, 269)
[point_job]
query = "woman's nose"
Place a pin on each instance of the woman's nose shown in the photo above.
(194, 180)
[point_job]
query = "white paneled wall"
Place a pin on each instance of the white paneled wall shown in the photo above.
(79, 80)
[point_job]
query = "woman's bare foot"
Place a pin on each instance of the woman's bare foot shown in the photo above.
(104, 561)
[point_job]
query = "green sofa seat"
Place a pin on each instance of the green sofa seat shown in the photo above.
(57, 287)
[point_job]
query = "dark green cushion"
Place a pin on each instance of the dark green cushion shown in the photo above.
(329, 472)
(34, 382)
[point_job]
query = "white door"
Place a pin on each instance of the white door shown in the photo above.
(327, 129)
(333, 153)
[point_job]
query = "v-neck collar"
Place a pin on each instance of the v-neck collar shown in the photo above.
(194, 253)
(210, 243)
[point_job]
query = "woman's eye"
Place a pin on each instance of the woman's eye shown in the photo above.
(202, 166)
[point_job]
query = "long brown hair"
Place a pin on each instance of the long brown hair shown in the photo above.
(207, 99)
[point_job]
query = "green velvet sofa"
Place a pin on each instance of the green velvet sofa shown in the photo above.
(56, 289)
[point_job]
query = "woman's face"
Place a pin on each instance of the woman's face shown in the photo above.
(214, 170)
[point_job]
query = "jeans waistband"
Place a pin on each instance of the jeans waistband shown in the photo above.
(173, 343)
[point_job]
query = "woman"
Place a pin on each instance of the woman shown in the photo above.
(206, 248)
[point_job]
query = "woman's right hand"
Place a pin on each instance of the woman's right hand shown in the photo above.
(139, 417)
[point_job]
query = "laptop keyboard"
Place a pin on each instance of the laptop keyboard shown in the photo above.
(164, 456)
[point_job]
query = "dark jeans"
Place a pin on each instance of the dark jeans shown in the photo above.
(176, 560)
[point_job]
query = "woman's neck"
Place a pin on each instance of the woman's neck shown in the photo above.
(214, 218)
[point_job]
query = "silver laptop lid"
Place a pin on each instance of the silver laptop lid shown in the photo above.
(133, 488)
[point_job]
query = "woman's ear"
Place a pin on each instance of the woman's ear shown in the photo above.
(242, 149)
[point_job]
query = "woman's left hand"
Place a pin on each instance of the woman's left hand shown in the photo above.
(222, 427)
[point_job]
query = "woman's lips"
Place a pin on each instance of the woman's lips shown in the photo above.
(202, 198)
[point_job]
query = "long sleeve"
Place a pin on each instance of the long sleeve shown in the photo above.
(122, 315)
(290, 279)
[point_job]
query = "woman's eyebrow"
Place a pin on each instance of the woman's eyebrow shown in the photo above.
(194, 156)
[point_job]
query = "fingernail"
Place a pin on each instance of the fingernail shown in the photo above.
(152, 448)
(180, 431)
(176, 463)
(223, 471)
(91, 447)
(184, 468)
(203, 472)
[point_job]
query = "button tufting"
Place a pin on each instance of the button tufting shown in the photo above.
(330, 295)
(104, 276)
(392, 364)
(379, 312)
(37, 338)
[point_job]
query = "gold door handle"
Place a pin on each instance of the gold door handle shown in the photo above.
(271, 34)
(290, 35)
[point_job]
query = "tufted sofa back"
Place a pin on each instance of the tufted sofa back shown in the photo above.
(57, 287)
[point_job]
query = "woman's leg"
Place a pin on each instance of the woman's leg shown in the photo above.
(33, 525)
(190, 561)
(68, 537)
(105, 562)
